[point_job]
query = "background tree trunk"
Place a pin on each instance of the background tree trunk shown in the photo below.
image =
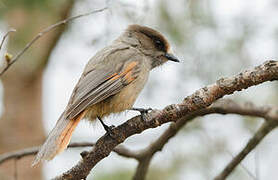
(21, 122)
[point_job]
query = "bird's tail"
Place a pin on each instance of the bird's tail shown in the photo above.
(58, 139)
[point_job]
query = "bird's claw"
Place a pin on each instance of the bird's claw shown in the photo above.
(143, 112)
(108, 129)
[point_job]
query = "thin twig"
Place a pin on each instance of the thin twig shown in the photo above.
(5, 36)
(120, 150)
(208, 143)
(46, 30)
(250, 174)
(266, 128)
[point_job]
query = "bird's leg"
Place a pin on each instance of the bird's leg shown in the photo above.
(143, 112)
(108, 129)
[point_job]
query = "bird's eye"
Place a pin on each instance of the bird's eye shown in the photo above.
(159, 44)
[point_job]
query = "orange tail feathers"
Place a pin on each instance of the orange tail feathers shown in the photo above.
(58, 138)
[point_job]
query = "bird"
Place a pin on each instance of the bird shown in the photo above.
(110, 83)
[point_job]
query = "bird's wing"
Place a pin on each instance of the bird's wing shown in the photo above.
(100, 83)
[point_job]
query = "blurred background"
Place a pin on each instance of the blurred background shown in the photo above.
(212, 38)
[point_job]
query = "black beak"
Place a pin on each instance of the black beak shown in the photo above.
(171, 57)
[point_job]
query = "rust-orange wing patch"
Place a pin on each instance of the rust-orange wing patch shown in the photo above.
(109, 86)
(127, 74)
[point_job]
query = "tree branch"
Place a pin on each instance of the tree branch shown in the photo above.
(64, 12)
(42, 33)
(201, 99)
(120, 150)
(224, 106)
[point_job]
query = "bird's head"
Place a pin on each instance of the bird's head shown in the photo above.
(151, 43)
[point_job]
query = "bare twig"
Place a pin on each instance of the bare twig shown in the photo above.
(43, 32)
(224, 106)
(266, 128)
(5, 36)
(250, 174)
(121, 150)
(65, 12)
(197, 101)
(18, 154)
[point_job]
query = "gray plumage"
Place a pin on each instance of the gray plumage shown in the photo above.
(110, 83)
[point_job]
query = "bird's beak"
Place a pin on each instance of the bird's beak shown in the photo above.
(171, 57)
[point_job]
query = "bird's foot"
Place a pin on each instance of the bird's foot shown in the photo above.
(143, 112)
(108, 129)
